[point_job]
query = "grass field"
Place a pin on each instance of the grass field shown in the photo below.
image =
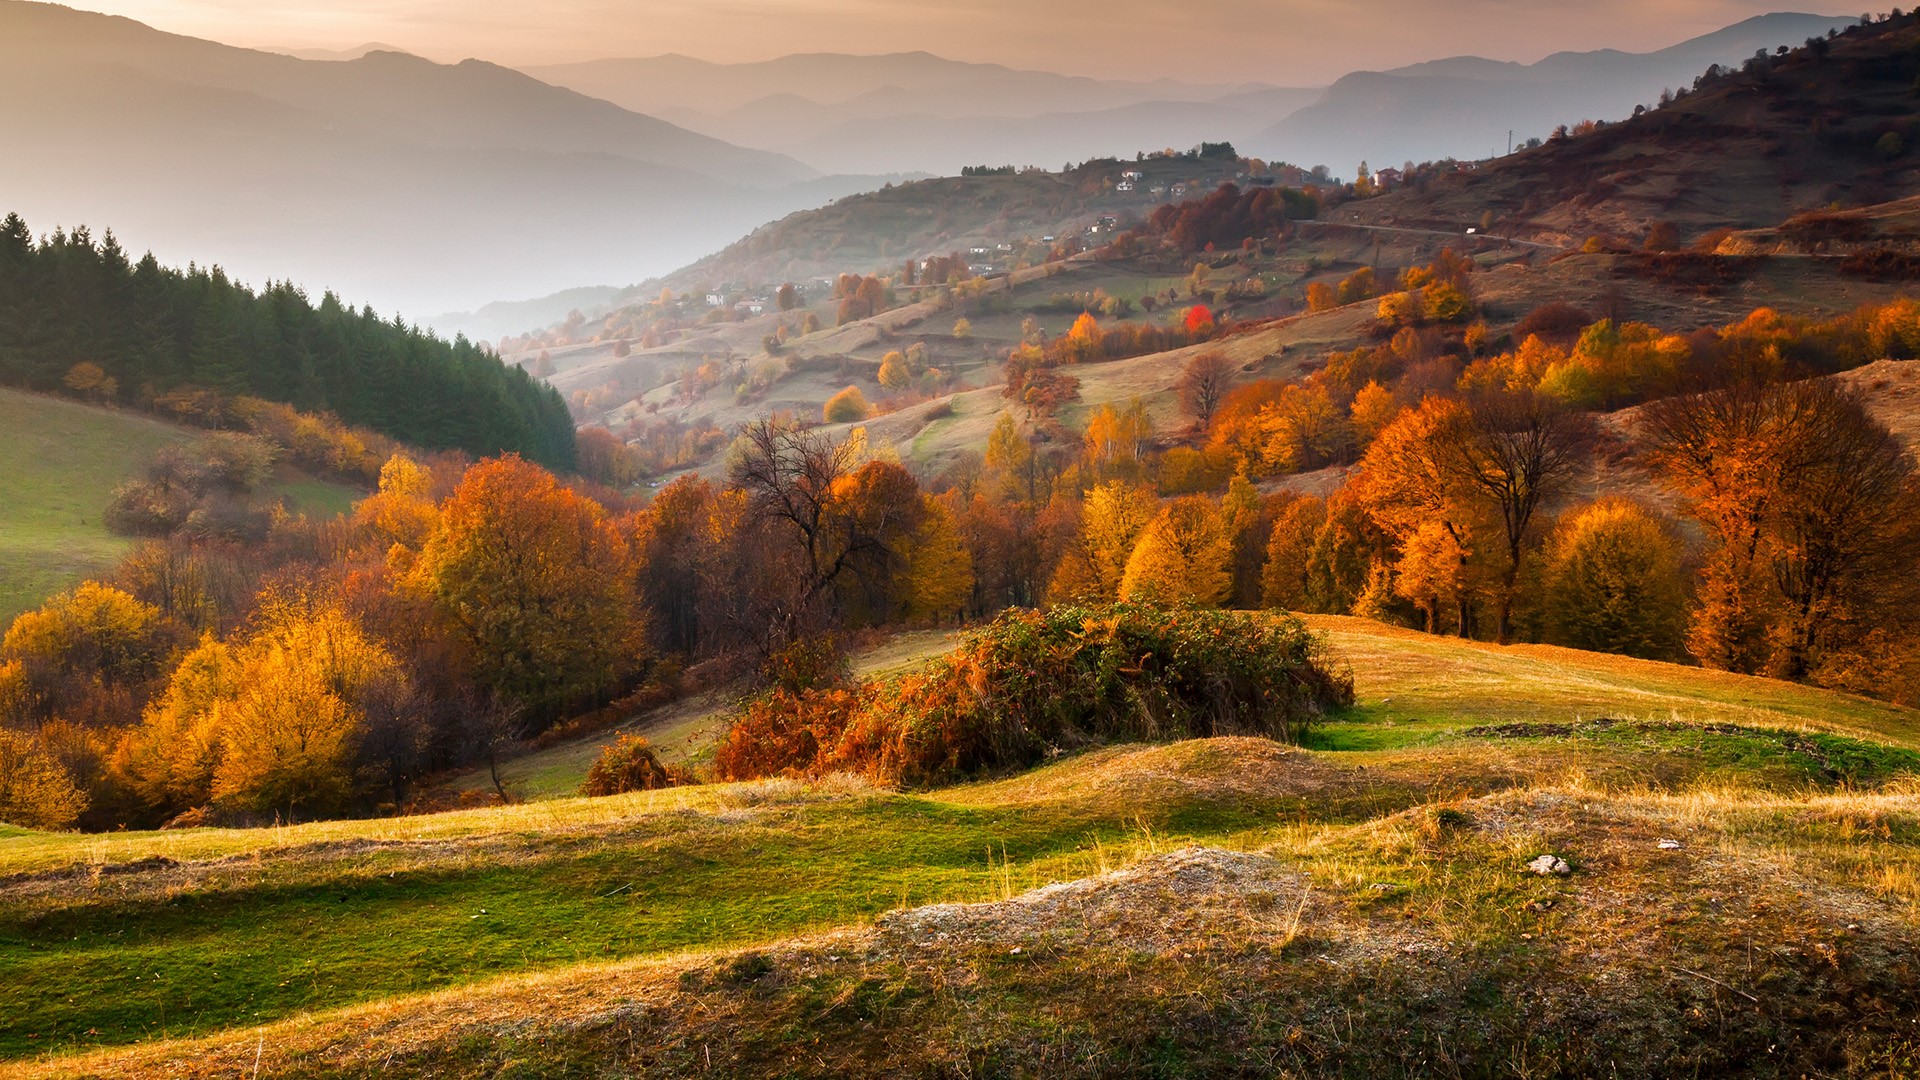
(63, 460)
(331, 931)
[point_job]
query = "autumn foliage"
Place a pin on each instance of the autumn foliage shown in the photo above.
(1068, 677)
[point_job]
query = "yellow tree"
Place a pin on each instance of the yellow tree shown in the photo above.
(169, 760)
(1284, 577)
(1112, 518)
(402, 512)
(1374, 407)
(1431, 571)
(291, 730)
(1304, 430)
(895, 374)
(1117, 440)
(36, 791)
(1184, 554)
(1615, 583)
(936, 576)
(846, 407)
(538, 582)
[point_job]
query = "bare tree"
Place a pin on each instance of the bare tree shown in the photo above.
(1203, 385)
(793, 478)
(1518, 452)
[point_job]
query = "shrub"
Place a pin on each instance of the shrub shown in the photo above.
(629, 764)
(1032, 683)
(1557, 322)
(846, 407)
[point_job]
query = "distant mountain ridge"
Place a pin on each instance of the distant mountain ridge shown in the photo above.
(1463, 107)
(389, 178)
(915, 111)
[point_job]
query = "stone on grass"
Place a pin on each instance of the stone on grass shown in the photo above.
(1549, 864)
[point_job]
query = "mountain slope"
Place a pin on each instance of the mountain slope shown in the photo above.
(1464, 107)
(380, 176)
(1747, 150)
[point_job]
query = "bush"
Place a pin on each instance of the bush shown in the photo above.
(629, 764)
(846, 407)
(1035, 683)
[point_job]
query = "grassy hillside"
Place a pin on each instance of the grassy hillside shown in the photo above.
(788, 929)
(63, 461)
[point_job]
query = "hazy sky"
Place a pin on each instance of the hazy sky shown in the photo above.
(1278, 41)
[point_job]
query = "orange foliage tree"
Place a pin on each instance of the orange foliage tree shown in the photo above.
(539, 582)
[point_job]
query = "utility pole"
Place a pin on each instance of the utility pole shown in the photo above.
(1509, 142)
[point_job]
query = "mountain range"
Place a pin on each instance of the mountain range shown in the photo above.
(1464, 107)
(916, 111)
(407, 183)
(387, 177)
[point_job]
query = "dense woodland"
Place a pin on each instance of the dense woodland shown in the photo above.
(184, 342)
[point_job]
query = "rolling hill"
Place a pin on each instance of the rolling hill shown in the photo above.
(1739, 856)
(378, 177)
(64, 461)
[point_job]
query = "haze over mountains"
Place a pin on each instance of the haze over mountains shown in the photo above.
(393, 179)
(428, 187)
(1464, 107)
(916, 111)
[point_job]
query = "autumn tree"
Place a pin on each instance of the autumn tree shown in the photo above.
(402, 512)
(1184, 554)
(1374, 407)
(1284, 577)
(1516, 453)
(846, 407)
(935, 581)
(894, 371)
(668, 538)
(89, 380)
(1411, 480)
(1614, 582)
(605, 458)
(1304, 430)
(1112, 517)
(1203, 384)
(36, 790)
(1809, 502)
(538, 581)
(310, 687)
(1117, 440)
(788, 297)
(798, 484)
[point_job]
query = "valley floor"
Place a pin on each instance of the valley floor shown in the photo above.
(1742, 895)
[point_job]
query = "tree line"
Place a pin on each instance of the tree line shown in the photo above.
(181, 342)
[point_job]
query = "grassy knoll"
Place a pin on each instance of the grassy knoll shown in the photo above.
(63, 460)
(1322, 910)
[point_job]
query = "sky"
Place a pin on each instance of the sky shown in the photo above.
(1284, 42)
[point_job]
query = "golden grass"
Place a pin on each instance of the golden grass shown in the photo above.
(1402, 673)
